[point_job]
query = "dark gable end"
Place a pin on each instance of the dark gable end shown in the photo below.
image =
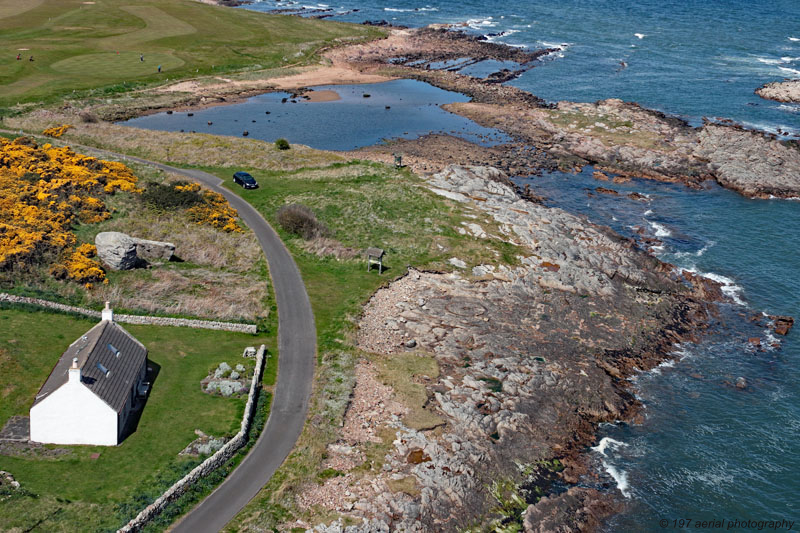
(110, 359)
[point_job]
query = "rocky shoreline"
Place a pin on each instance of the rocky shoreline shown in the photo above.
(530, 360)
(787, 91)
(619, 137)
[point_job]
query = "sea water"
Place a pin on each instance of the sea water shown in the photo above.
(692, 58)
(706, 450)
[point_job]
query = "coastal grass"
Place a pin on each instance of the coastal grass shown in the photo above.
(106, 47)
(402, 372)
(368, 204)
(67, 491)
(609, 129)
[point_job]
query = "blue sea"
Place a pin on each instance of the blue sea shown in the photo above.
(706, 450)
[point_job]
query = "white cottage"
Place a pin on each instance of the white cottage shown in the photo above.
(89, 395)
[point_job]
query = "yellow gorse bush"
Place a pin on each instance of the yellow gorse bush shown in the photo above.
(56, 131)
(44, 191)
(216, 211)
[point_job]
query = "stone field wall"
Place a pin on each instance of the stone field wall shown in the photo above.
(134, 319)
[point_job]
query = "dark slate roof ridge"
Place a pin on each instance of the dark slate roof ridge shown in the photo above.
(93, 343)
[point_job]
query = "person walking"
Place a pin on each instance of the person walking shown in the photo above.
(19, 57)
(159, 69)
(141, 58)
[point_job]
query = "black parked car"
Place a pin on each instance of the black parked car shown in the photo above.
(245, 180)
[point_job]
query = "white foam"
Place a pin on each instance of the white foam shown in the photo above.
(666, 364)
(704, 249)
(605, 443)
(620, 476)
(505, 33)
(795, 39)
(560, 46)
(768, 61)
(729, 287)
(793, 71)
(789, 59)
(477, 24)
(661, 231)
(640, 35)
(648, 212)
(770, 339)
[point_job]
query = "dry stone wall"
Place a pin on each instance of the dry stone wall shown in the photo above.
(209, 465)
(135, 319)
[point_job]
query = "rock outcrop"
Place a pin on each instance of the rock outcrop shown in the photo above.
(531, 357)
(781, 91)
(154, 250)
(626, 139)
(119, 251)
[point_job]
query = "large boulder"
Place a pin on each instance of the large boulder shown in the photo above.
(116, 250)
(123, 252)
(154, 250)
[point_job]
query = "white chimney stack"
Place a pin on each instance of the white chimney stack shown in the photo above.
(74, 371)
(108, 313)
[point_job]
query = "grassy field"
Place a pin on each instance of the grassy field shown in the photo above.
(109, 46)
(367, 204)
(67, 492)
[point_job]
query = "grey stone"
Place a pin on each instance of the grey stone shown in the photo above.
(154, 250)
(456, 262)
(240, 368)
(123, 252)
(222, 369)
(116, 250)
(234, 375)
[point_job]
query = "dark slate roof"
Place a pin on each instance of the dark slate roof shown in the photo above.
(95, 357)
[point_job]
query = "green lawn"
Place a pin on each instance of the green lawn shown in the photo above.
(99, 45)
(73, 490)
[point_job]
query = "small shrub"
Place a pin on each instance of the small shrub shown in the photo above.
(166, 197)
(300, 220)
(88, 117)
(282, 144)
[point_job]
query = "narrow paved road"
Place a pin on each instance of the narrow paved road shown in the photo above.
(297, 345)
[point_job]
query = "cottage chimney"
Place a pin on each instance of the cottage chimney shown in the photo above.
(74, 371)
(108, 313)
